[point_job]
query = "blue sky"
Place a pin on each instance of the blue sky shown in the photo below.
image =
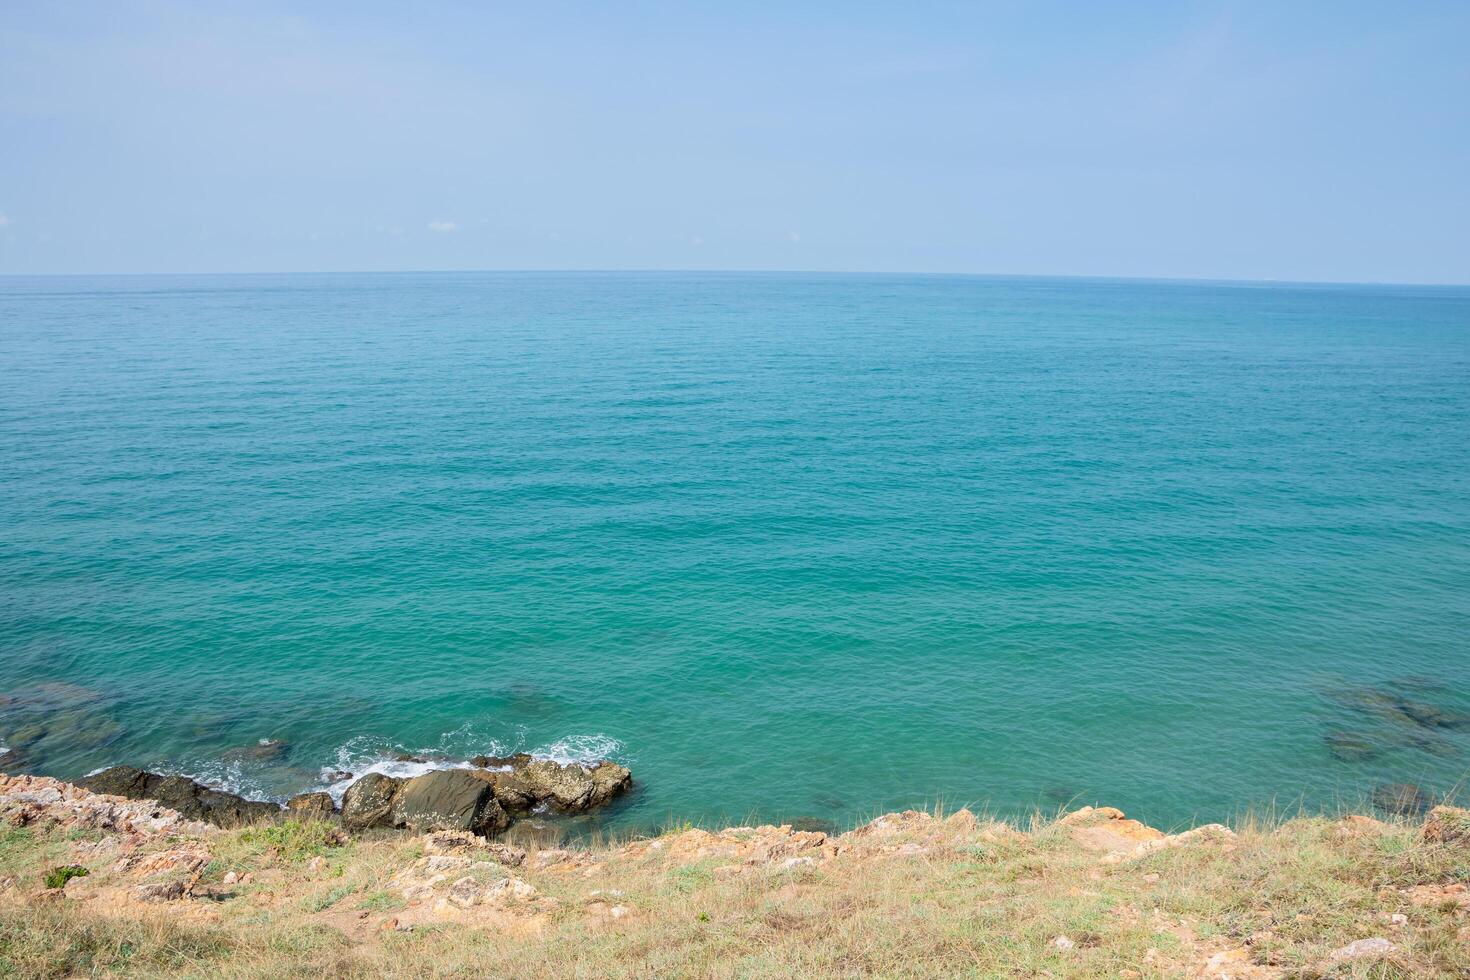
(1309, 141)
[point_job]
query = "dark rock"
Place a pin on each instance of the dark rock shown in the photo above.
(448, 799)
(337, 776)
(1402, 799)
(311, 806)
(367, 801)
(219, 808)
(1392, 706)
(1350, 746)
(121, 781)
(1430, 716)
(266, 750)
(193, 800)
(405, 757)
(1433, 742)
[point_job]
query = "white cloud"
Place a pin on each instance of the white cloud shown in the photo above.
(4, 221)
(443, 226)
(795, 236)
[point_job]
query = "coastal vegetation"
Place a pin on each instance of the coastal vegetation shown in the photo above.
(1087, 893)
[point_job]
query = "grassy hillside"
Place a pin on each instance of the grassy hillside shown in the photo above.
(1088, 895)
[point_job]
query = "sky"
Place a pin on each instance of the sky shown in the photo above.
(1303, 141)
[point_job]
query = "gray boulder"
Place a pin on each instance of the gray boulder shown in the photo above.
(448, 799)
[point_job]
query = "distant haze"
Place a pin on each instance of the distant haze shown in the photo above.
(1307, 141)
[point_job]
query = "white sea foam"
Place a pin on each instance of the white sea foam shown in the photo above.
(582, 749)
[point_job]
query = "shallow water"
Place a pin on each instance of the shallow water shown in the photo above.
(786, 545)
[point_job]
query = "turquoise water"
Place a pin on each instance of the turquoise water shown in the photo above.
(786, 545)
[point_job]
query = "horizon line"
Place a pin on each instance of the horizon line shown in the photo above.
(1195, 280)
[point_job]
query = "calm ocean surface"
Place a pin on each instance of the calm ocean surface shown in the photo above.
(786, 545)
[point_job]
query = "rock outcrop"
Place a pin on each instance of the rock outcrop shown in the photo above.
(483, 799)
(40, 801)
(312, 806)
(479, 800)
(181, 794)
(522, 782)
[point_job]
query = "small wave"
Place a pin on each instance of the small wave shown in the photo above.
(581, 749)
(232, 777)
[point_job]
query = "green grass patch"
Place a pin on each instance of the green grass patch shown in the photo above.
(58, 876)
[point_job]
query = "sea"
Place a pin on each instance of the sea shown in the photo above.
(790, 546)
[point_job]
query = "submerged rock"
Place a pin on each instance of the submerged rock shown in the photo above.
(1350, 746)
(1402, 799)
(266, 750)
(182, 794)
(1390, 705)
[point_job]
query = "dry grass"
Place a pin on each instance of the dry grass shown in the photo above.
(1281, 895)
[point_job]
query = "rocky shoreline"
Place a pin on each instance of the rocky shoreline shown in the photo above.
(483, 797)
(1089, 893)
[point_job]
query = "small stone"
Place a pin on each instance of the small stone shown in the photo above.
(1376, 946)
(231, 878)
(511, 888)
(163, 891)
(316, 865)
(466, 892)
(1398, 919)
(442, 863)
(798, 862)
(1062, 942)
(618, 911)
(1225, 958)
